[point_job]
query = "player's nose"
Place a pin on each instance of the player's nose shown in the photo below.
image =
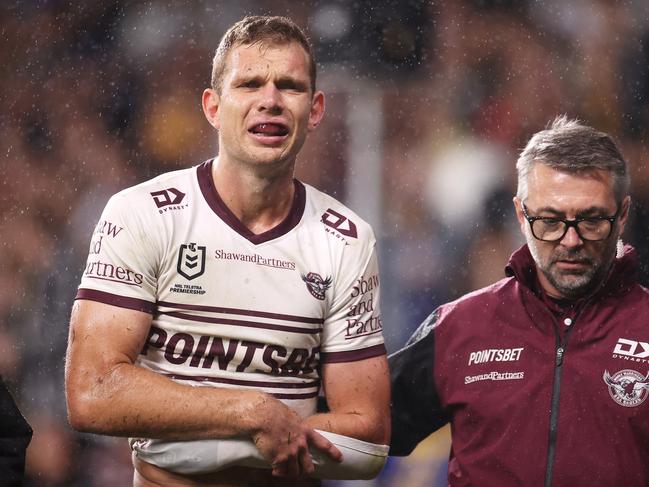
(270, 98)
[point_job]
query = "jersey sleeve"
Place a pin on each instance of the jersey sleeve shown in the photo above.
(121, 265)
(353, 329)
(416, 407)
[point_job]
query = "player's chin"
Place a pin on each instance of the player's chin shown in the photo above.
(273, 156)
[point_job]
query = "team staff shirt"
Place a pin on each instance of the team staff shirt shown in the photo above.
(231, 308)
(537, 392)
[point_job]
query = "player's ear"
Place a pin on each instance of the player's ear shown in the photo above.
(211, 102)
(317, 109)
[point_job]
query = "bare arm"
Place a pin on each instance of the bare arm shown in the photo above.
(358, 395)
(107, 394)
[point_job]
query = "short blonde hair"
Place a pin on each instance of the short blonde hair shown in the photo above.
(260, 29)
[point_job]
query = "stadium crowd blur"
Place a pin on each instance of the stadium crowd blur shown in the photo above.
(97, 96)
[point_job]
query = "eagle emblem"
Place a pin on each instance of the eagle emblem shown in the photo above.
(317, 285)
(627, 387)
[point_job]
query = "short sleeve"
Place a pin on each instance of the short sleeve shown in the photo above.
(353, 329)
(122, 262)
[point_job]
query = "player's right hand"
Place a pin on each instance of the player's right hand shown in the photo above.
(284, 440)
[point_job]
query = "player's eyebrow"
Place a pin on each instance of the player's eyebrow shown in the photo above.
(283, 82)
(291, 83)
(247, 78)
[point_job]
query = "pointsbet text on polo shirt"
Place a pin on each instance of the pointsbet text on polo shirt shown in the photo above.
(495, 355)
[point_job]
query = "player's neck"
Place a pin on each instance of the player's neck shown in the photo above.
(260, 202)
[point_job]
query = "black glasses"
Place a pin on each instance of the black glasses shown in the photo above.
(551, 229)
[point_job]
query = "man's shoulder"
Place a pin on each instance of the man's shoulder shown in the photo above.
(458, 317)
(162, 191)
(644, 291)
(496, 295)
(637, 292)
(336, 218)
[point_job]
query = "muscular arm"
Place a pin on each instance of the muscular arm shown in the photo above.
(358, 395)
(107, 394)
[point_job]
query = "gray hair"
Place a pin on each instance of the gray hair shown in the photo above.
(568, 145)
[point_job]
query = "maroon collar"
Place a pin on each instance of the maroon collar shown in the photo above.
(213, 199)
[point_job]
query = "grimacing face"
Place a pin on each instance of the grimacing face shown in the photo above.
(266, 106)
(571, 268)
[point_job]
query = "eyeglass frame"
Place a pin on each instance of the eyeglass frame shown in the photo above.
(571, 223)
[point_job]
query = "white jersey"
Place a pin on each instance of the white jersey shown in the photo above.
(231, 308)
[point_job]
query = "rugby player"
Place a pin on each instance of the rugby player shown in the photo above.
(218, 300)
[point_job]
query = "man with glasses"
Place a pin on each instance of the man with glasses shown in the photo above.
(544, 375)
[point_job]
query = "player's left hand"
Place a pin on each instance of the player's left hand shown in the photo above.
(284, 440)
(304, 464)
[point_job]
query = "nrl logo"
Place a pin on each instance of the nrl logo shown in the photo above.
(316, 285)
(627, 387)
(191, 261)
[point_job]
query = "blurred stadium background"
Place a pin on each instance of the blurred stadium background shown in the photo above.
(428, 105)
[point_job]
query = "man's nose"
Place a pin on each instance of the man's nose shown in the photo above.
(271, 98)
(572, 238)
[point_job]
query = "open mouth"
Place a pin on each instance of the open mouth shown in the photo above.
(271, 129)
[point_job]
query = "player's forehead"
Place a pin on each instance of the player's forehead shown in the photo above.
(263, 57)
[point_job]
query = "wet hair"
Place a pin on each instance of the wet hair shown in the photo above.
(568, 145)
(260, 29)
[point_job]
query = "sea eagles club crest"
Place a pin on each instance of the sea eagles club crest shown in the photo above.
(627, 387)
(191, 261)
(316, 285)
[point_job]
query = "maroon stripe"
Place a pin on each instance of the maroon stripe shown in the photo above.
(244, 312)
(250, 324)
(242, 382)
(294, 396)
(115, 300)
(352, 355)
(206, 183)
